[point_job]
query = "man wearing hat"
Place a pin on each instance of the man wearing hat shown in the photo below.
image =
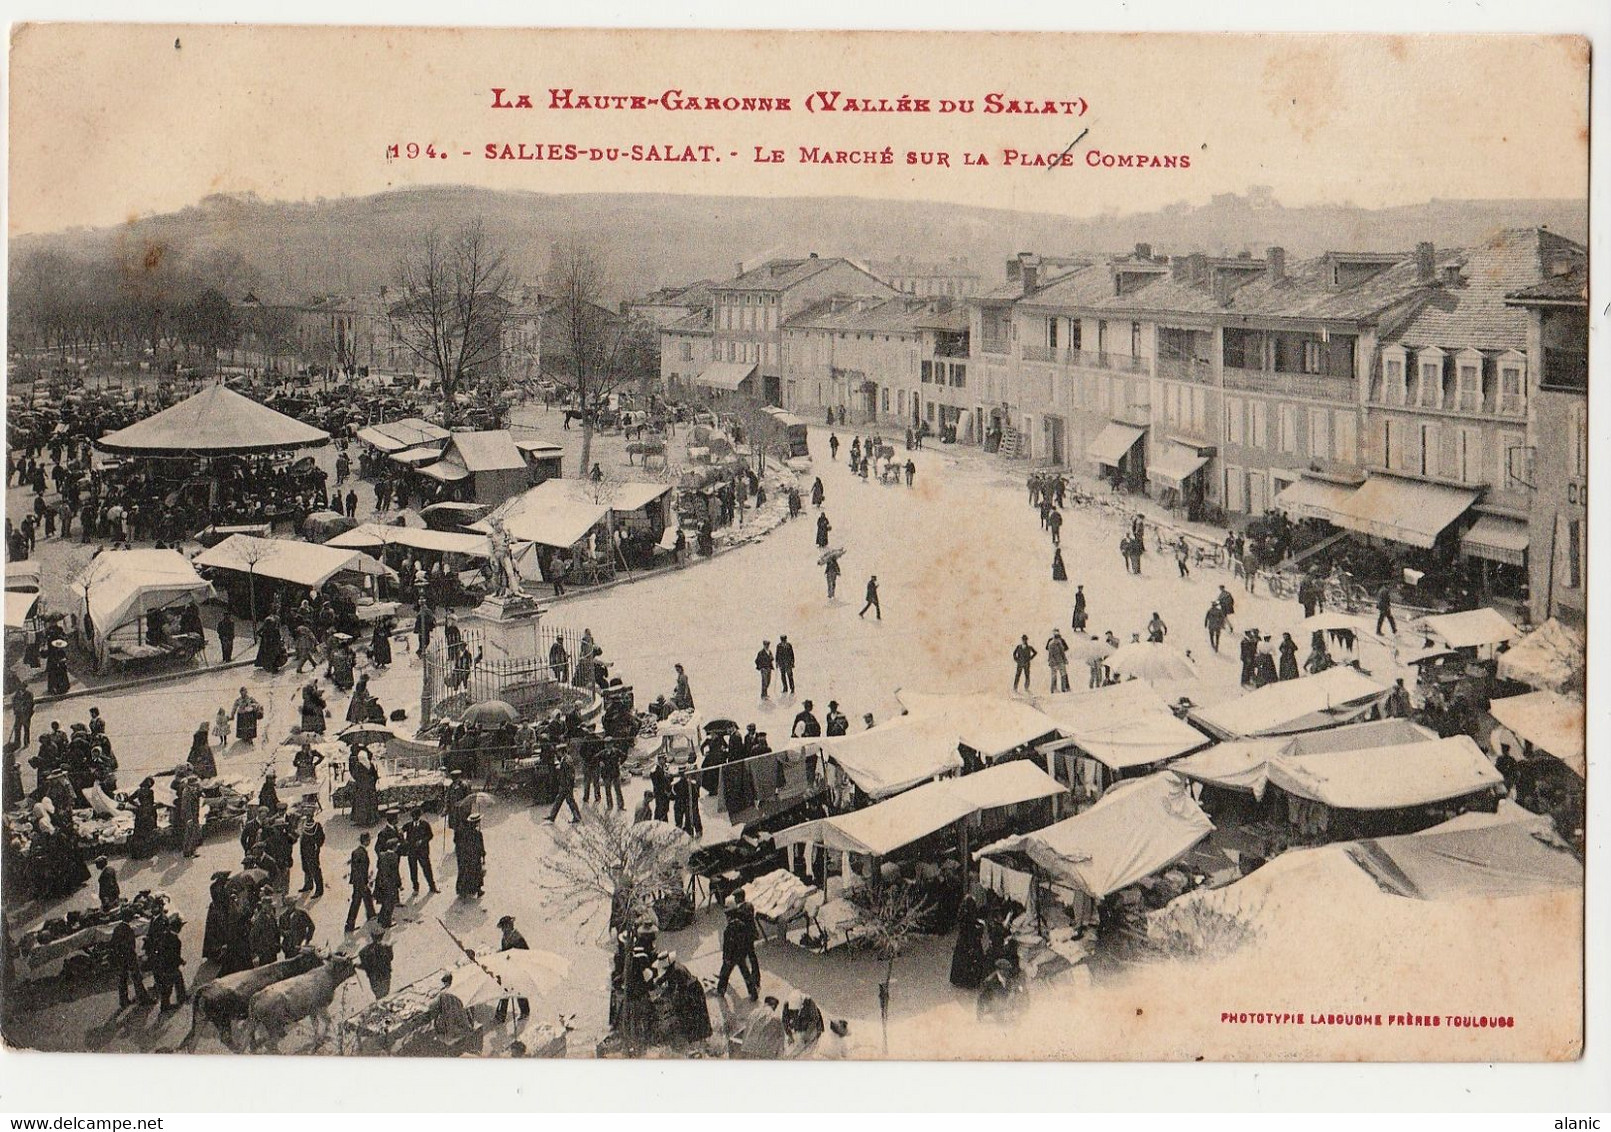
(296, 929)
(310, 843)
(389, 837)
(164, 955)
(738, 946)
(358, 877)
(512, 941)
(388, 880)
(417, 836)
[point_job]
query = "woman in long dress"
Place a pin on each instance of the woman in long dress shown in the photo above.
(1289, 657)
(365, 778)
(270, 645)
(57, 682)
(471, 852)
(187, 815)
(247, 711)
(358, 709)
(968, 965)
(144, 805)
(1059, 571)
(313, 711)
(380, 644)
(201, 754)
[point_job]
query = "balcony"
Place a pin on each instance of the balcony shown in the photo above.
(1086, 359)
(1315, 386)
(1186, 369)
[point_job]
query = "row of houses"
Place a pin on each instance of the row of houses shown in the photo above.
(1455, 379)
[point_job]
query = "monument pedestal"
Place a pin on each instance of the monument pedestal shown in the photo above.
(507, 626)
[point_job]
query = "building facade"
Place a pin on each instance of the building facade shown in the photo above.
(862, 354)
(953, 278)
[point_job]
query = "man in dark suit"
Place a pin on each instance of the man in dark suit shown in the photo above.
(358, 877)
(417, 836)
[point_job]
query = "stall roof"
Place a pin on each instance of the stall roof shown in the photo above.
(121, 585)
(20, 609)
(1138, 828)
(1472, 628)
(410, 432)
(1151, 738)
(1404, 510)
(1113, 443)
(1385, 778)
(214, 422)
(1549, 721)
(545, 517)
(1103, 707)
(422, 455)
(492, 450)
(367, 536)
(883, 828)
(540, 447)
(895, 756)
(444, 471)
(300, 563)
(1243, 764)
(880, 830)
(1359, 736)
(1551, 656)
(1515, 854)
(1337, 695)
(1309, 498)
(990, 724)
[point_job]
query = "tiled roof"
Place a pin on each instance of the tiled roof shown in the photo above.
(778, 274)
(1474, 312)
(694, 322)
(1571, 286)
(1082, 287)
(903, 315)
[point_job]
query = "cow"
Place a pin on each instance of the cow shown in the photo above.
(223, 1002)
(275, 1009)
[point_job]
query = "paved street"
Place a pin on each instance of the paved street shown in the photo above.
(963, 570)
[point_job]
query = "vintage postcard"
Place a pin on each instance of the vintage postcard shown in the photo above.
(601, 544)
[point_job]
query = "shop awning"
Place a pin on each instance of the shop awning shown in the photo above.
(1175, 464)
(1314, 499)
(1471, 628)
(1404, 510)
(1498, 539)
(1549, 721)
(1138, 828)
(1388, 778)
(725, 375)
(1113, 443)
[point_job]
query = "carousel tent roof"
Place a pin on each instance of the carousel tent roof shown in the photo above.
(1386, 778)
(1551, 656)
(121, 585)
(895, 756)
(370, 536)
(215, 422)
(1337, 695)
(300, 563)
(1138, 828)
(1549, 721)
(1471, 628)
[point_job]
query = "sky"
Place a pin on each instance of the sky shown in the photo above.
(113, 122)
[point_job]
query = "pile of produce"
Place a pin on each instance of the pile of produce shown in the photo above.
(779, 895)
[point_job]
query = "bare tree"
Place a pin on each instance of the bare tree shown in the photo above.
(609, 861)
(600, 351)
(888, 917)
(455, 300)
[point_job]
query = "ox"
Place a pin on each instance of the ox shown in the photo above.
(276, 1008)
(223, 1001)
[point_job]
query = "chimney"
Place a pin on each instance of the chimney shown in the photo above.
(1180, 268)
(1275, 264)
(1015, 270)
(738, 269)
(1029, 271)
(1451, 275)
(1143, 251)
(1425, 262)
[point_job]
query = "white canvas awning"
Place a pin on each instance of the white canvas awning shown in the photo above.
(121, 586)
(1151, 738)
(1549, 721)
(1138, 828)
(1314, 499)
(1113, 443)
(1175, 464)
(20, 609)
(725, 375)
(990, 724)
(1385, 778)
(1515, 854)
(1472, 628)
(1414, 512)
(1551, 656)
(445, 471)
(370, 536)
(1005, 784)
(417, 455)
(1336, 696)
(1498, 539)
(300, 563)
(1241, 764)
(410, 432)
(895, 756)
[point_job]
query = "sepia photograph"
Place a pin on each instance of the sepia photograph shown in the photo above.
(599, 544)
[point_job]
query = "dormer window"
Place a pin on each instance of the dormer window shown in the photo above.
(1512, 384)
(1468, 380)
(1395, 389)
(1429, 383)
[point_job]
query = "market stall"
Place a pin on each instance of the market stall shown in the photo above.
(892, 757)
(1472, 856)
(1478, 630)
(1550, 657)
(545, 529)
(252, 568)
(44, 950)
(1113, 733)
(121, 589)
(1550, 722)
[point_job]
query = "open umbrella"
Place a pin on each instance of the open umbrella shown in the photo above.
(829, 555)
(490, 713)
(1152, 660)
(1086, 649)
(362, 733)
(521, 973)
